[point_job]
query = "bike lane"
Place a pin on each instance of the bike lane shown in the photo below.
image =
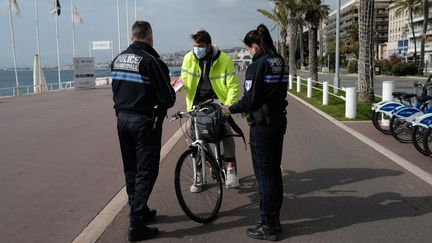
(336, 189)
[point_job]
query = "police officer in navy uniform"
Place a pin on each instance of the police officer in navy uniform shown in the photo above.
(264, 103)
(142, 95)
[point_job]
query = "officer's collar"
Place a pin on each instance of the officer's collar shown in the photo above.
(145, 47)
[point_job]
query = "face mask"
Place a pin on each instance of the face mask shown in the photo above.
(200, 52)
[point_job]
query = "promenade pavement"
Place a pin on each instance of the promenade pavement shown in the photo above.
(336, 189)
(60, 166)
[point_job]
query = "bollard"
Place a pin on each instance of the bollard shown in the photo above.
(350, 102)
(290, 81)
(325, 93)
(298, 84)
(309, 87)
(387, 90)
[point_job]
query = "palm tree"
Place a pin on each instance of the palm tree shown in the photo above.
(315, 11)
(295, 19)
(411, 6)
(279, 14)
(423, 37)
(365, 62)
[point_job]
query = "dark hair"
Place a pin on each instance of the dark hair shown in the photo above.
(202, 36)
(141, 29)
(261, 36)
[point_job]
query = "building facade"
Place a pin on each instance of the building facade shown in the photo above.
(349, 15)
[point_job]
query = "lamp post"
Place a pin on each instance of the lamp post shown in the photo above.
(336, 77)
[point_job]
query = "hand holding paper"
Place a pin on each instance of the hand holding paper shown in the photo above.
(177, 84)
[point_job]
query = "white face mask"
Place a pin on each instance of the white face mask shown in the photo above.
(200, 52)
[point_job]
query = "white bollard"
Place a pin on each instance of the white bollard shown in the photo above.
(309, 87)
(298, 84)
(388, 88)
(290, 81)
(325, 93)
(350, 102)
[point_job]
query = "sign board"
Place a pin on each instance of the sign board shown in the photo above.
(84, 72)
(101, 45)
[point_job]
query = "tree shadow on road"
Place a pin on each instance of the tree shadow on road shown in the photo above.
(311, 214)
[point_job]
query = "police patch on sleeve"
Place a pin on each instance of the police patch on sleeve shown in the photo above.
(248, 85)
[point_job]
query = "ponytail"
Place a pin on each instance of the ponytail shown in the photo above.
(261, 36)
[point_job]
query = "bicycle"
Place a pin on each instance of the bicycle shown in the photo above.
(200, 194)
(402, 120)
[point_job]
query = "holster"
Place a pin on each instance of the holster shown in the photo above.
(260, 115)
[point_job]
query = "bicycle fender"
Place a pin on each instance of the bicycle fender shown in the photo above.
(387, 107)
(408, 112)
(423, 121)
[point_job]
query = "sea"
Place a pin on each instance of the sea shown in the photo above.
(25, 79)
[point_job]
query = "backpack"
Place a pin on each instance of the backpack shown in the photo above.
(210, 122)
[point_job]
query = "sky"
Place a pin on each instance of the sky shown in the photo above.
(172, 21)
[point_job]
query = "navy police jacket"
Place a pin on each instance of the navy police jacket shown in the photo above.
(140, 81)
(266, 82)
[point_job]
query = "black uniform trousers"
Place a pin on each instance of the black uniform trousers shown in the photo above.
(266, 142)
(140, 143)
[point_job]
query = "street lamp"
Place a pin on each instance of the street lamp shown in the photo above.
(336, 77)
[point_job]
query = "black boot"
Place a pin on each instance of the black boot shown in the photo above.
(142, 232)
(149, 216)
(263, 232)
(278, 226)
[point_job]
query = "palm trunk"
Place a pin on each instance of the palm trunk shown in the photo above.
(412, 30)
(423, 37)
(365, 63)
(300, 29)
(283, 35)
(292, 26)
(313, 44)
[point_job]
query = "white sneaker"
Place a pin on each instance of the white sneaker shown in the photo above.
(232, 180)
(196, 187)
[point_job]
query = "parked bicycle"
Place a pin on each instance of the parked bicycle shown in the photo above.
(200, 173)
(402, 120)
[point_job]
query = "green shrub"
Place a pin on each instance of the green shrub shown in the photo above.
(353, 66)
(403, 68)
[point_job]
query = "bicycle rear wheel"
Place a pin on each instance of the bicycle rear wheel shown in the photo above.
(417, 139)
(401, 130)
(381, 122)
(202, 206)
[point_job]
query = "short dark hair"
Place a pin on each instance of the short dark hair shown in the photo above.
(202, 36)
(141, 29)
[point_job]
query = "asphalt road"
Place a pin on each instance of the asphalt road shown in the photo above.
(402, 84)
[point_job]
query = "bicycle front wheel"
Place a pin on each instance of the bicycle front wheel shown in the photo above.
(201, 205)
(417, 139)
(427, 141)
(401, 130)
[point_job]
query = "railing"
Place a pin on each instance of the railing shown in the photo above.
(30, 89)
(350, 97)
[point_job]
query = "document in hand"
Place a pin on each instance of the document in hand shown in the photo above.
(177, 84)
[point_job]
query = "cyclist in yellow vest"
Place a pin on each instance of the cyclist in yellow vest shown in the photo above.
(208, 73)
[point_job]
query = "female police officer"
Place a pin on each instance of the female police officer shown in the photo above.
(263, 102)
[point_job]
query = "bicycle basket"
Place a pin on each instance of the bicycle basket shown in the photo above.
(210, 122)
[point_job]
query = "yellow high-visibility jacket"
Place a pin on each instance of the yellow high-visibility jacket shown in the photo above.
(223, 78)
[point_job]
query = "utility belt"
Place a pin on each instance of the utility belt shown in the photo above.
(264, 115)
(151, 115)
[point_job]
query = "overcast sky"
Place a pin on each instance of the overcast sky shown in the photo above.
(172, 20)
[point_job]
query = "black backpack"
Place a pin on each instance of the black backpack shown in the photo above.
(210, 122)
